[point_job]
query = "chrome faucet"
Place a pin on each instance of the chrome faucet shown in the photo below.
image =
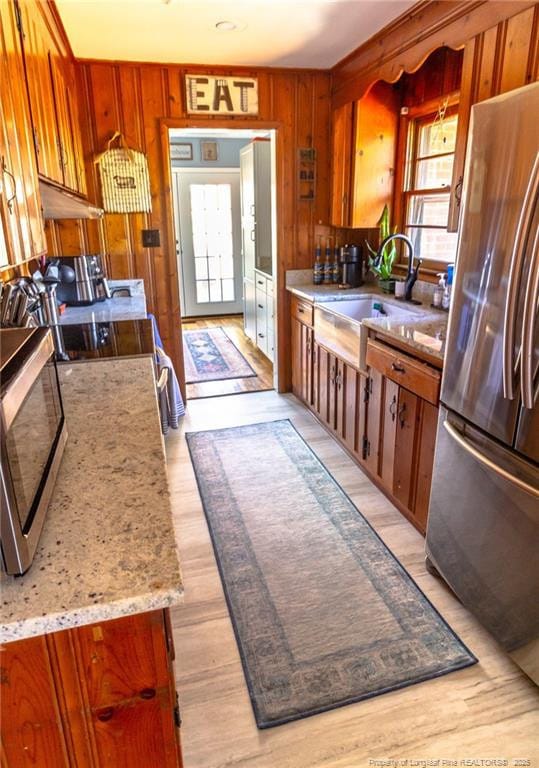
(411, 276)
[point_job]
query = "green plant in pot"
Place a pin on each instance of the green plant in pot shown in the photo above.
(384, 266)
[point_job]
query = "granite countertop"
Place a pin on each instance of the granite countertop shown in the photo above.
(117, 308)
(423, 331)
(107, 548)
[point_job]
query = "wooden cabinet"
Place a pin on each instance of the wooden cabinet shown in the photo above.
(302, 350)
(102, 696)
(401, 432)
(342, 122)
(51, 91)
(386, 417)
(376, 118)
(364, 146)
(20, 212)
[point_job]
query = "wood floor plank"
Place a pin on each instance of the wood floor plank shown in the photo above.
(490, 710)
(233, 325)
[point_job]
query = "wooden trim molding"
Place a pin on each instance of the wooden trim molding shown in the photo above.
(405, 44)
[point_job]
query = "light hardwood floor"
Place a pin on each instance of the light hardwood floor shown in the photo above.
(490, 710)
(233, 324)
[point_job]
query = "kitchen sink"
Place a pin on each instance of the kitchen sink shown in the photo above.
(338, 326)
(361, 309)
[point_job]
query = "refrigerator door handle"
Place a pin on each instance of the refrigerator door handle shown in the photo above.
(528, 328)
(491, 465)
(517, 258)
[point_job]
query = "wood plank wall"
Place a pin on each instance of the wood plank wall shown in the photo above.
(134, 98)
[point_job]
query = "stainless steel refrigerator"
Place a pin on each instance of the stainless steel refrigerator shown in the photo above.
(483, 528)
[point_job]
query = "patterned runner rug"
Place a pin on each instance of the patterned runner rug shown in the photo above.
(324, 614)
(210, 355)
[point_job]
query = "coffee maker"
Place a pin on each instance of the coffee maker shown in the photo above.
(83, 280)
(351, 258)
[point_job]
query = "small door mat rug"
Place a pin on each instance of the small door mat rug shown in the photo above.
(210, 355)
(324, 615)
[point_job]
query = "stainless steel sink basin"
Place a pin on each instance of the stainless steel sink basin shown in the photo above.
(361, 309)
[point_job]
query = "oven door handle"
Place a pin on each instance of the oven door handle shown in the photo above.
(459, 438)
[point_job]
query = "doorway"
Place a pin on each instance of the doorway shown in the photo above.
(225, 247)
(208, 233)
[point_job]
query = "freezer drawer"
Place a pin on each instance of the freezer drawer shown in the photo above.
(483, 534)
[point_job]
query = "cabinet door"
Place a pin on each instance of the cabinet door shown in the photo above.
(127, 682)
(342, 159)
(322, 385)
(375, 141)
(371, 447)
(404, 462)
(20, 208)
(37, 45)
(63, 121)
(32, 730)
(425, 462)
(302, 361)
(388, 431)
(348, 404)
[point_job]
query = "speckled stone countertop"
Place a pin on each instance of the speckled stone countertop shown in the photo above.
(117, 308)
(423, 331)
(108, 547)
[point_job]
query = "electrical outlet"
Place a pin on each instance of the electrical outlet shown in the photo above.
(151, 238)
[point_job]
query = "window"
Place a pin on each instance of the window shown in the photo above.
(429, 166)
(211, 218)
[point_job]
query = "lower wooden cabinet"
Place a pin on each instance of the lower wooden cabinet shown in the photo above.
(386, 417)
(99, 696)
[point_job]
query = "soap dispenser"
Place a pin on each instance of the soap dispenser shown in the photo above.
(437, 299)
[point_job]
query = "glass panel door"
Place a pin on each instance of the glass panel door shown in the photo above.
(208, 210)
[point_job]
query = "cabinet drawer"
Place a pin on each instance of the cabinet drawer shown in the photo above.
(261, 300)
(302, 310)
(411, 374)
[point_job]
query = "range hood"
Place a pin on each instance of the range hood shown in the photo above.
(60, 204)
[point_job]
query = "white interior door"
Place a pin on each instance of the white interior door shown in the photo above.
(208, 231)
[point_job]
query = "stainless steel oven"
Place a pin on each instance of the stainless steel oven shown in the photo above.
(32, 441)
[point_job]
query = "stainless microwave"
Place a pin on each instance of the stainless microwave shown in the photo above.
(32, 440)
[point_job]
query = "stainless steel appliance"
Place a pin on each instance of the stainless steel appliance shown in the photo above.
(483, 529)
(84, 281)
(351, 258)
(32, 440)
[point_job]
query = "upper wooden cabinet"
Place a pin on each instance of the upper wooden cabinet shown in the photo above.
(51, 91)
(376, 118)
(364, 145)
(342, 123)
(22, 234)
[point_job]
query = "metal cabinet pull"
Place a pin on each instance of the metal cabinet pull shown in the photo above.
(402, 415)
(332, 374)
(147, 693)
(458, 191)
(260, 306)
(482, 459)
(301, 310)
(11, 198)
(398, 367)
(393, 408)
(104, 715)
(517, 259)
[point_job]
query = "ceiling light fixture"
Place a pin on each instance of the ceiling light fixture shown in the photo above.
(226, 26)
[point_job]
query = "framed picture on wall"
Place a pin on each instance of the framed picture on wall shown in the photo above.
(209, 151)
(181, 151)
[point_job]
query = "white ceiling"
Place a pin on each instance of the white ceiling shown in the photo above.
(279, 33)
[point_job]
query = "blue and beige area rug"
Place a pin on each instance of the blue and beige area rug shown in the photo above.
(324, 614)
(210, 355)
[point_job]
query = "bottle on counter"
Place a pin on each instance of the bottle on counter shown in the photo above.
(328, 266)
(439, 291)
(446, 298)
(318, 268)
(336, 276)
